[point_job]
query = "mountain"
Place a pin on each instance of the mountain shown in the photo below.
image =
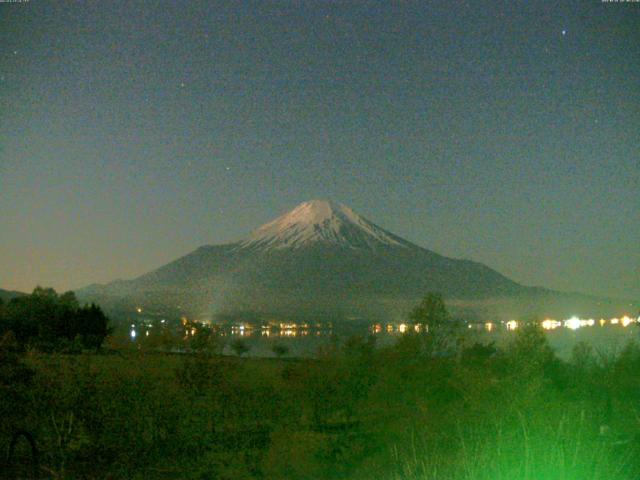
(320, 260)
(6, 295)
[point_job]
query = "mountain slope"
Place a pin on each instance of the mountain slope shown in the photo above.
(320, 259)
(6, 295)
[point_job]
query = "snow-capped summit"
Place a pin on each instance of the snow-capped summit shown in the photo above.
(321, 221)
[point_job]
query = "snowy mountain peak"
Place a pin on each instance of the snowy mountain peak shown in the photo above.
(320, 221)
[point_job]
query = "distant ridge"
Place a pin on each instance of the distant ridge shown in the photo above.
(323, 260)
(6, 295)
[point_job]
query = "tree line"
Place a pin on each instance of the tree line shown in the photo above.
(49, 321)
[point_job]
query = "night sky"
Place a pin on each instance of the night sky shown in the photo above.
(504, 132)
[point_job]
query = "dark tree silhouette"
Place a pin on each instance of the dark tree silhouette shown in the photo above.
(431, 311)
(239, 347)
(432, 314)
(50, 321)
(280, 350)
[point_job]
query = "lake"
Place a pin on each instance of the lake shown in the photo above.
(606, 336)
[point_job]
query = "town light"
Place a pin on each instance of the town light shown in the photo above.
(573, 323)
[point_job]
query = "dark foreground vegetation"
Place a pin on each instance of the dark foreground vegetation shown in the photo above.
(429, 407)
(48, 322)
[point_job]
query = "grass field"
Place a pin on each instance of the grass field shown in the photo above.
(354, 412)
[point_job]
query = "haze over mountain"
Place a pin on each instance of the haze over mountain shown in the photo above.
(6, 295)
(323, 260)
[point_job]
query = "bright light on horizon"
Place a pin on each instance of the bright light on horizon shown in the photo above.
(573, 323)
(550, 324)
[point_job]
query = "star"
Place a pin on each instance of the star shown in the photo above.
(15, 52)
(182, 85)
(564, 32)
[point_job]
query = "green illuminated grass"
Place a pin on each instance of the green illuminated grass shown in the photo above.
(355, 413)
